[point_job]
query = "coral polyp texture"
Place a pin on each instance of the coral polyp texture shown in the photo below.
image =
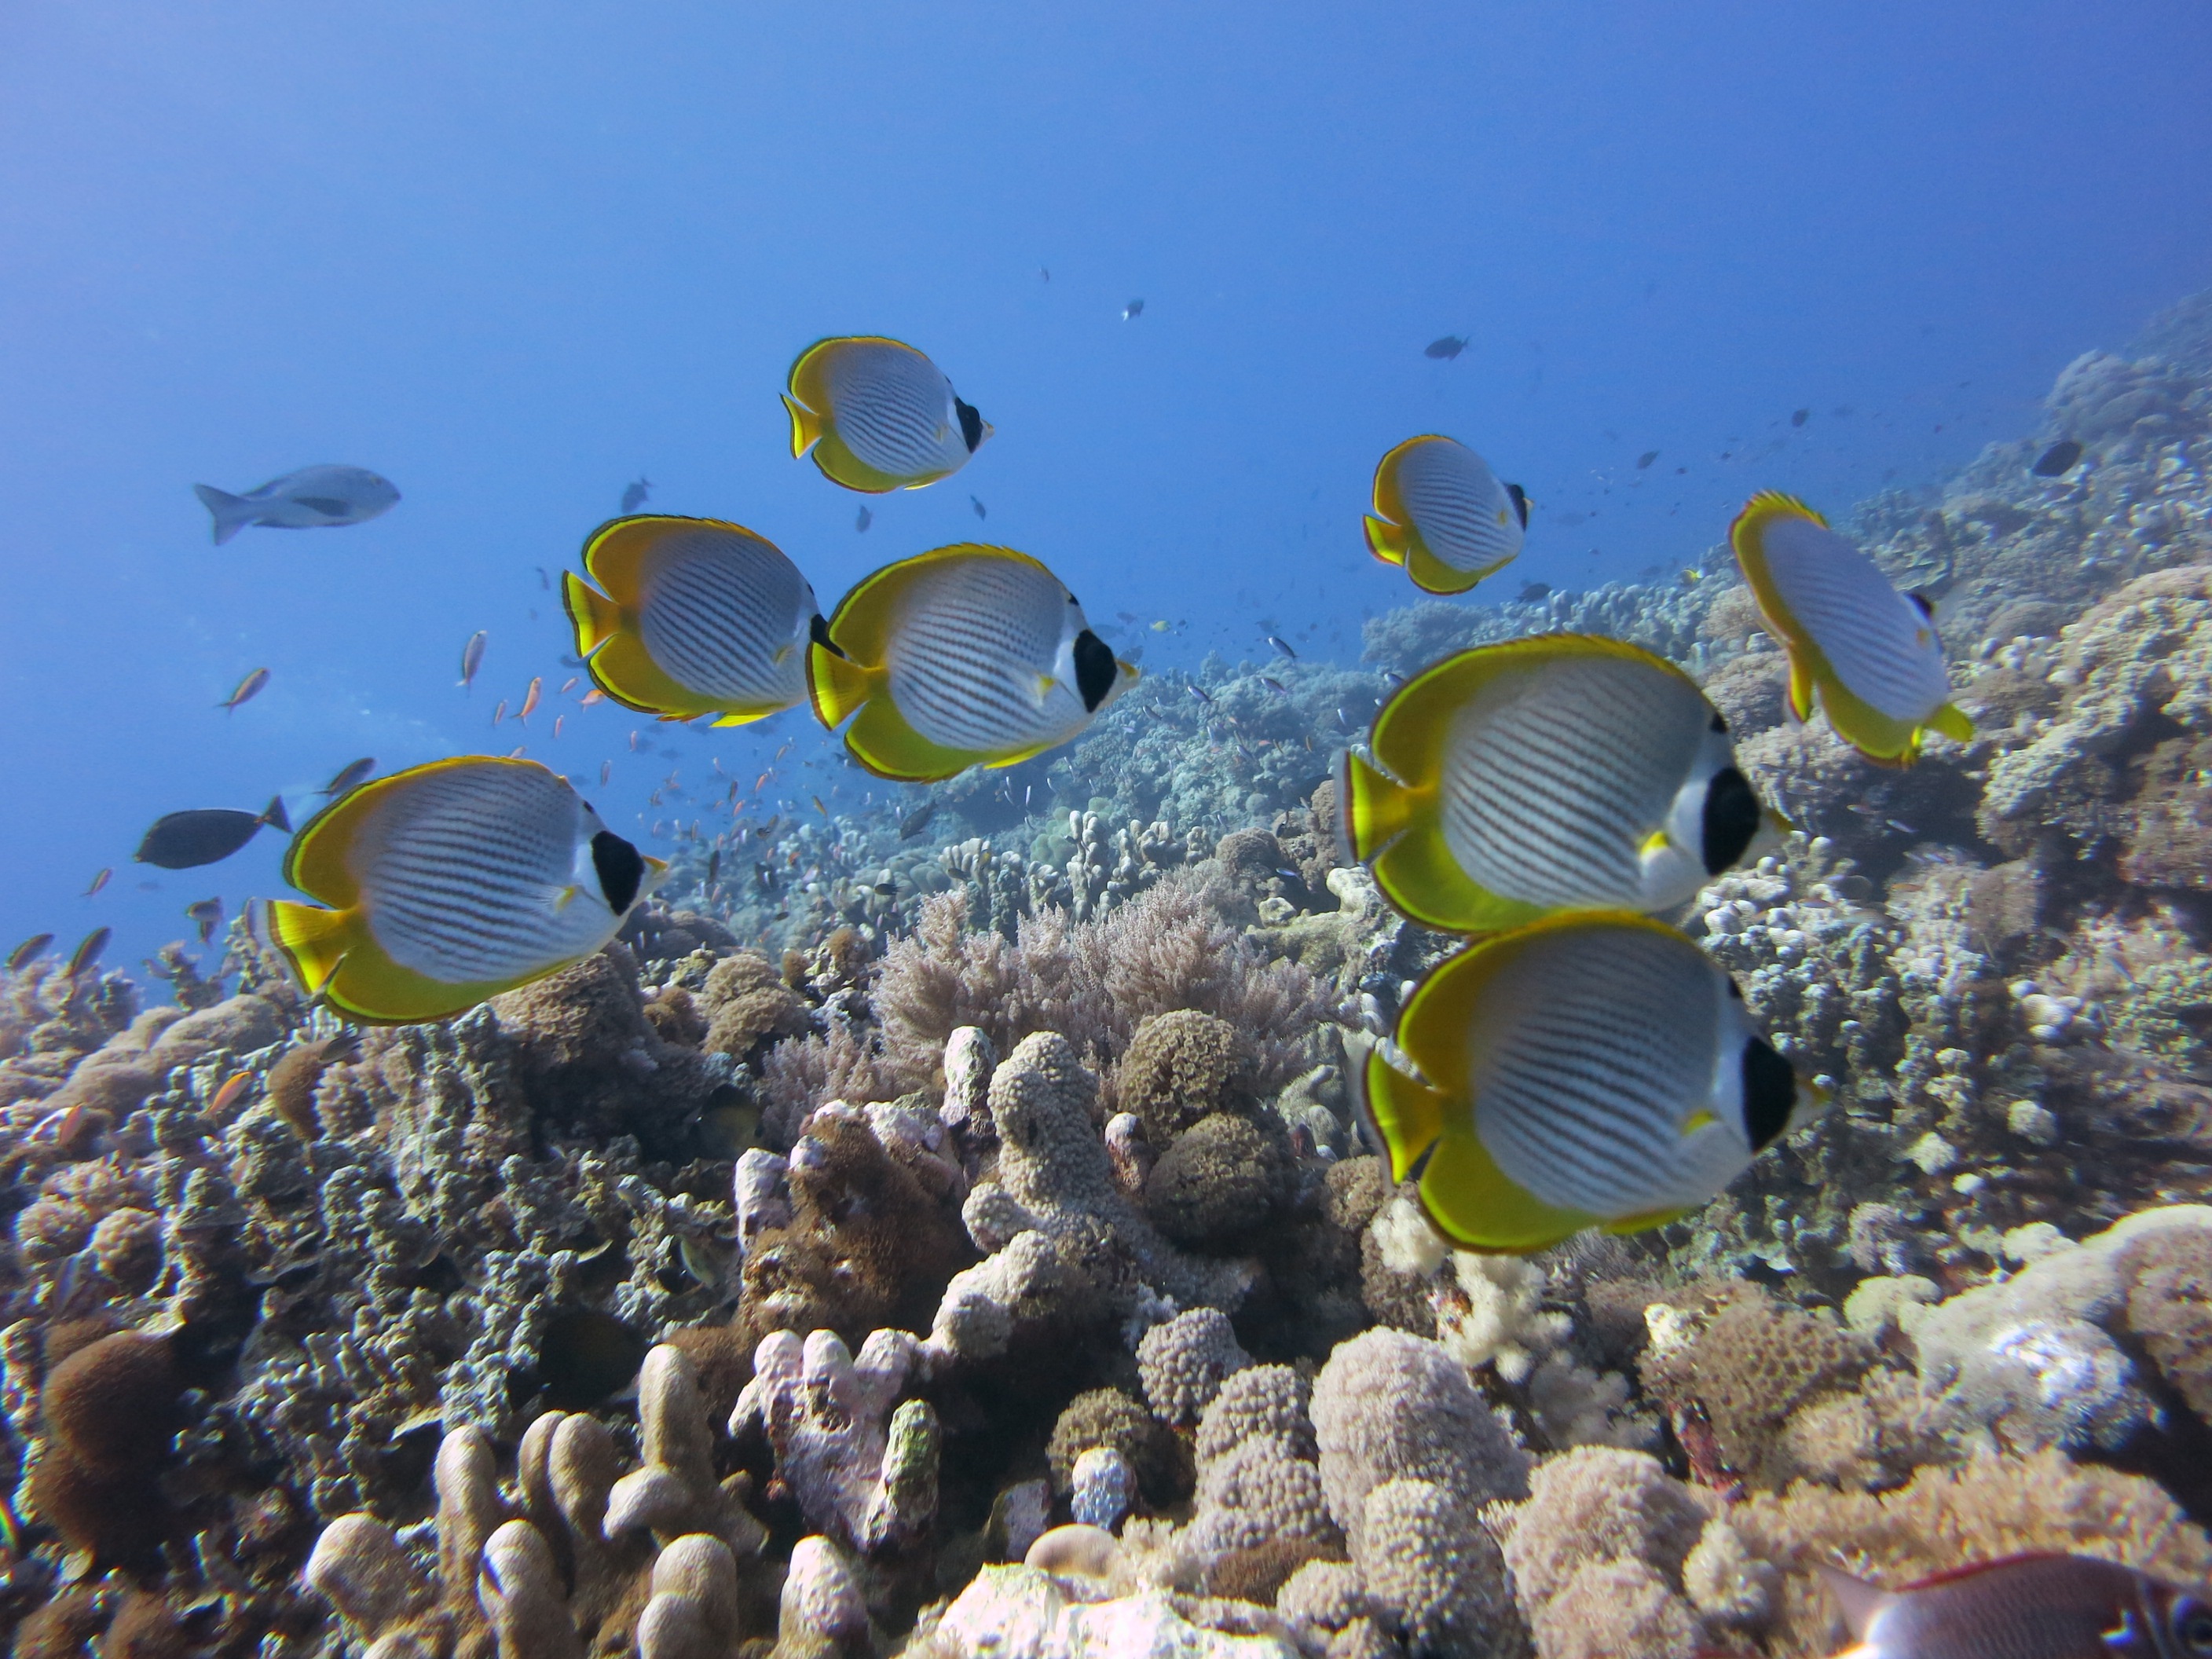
(960, 1236)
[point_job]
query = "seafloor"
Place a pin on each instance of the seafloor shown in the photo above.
(702, 1301)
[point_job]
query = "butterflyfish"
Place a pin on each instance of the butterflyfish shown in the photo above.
(1442, 513)
(692, 617)
(450, 882)
(1557, 772)
(2026, 1607)
(1592, 1070)
(878, 415)
(1867, 653)
(961, 656)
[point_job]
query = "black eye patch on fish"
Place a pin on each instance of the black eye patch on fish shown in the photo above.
(1095, 670)
(621, 870)
(971, 424)
(1770, 1090)
(1731, 819)
(328, 506)
(1520, 502)
(818, 631)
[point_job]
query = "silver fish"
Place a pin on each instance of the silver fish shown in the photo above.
(314, 498)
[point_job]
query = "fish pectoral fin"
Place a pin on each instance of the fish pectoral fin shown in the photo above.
(1859, 1600)
(1043, 689)
(564, 896)
(782, 654)
(1654, 843)
(1385, 540)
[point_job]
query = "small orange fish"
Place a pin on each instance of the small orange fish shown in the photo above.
(760, 782)
(99, 882)
(781, 752)
(593, 695)
(247, 687)
(515, 754)
(233, 1087)
(2024, 1606)
(530, 699)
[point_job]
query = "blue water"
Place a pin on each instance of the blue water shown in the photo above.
(512, 257)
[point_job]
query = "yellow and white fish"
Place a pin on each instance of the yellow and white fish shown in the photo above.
(1868, 652)
(1561, 772)
(1442, 513)
(1596, 1070)
(878, 415)
(961, 656)
(450, 882)
(691, 616)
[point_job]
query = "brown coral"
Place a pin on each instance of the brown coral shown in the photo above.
(107, 1413)
(1217, 1181)
(1181, 1066)
(747, 1003)
(2170, 1309)
(1110, 1418)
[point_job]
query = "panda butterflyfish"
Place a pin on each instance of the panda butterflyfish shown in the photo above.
(961, 656)
(1595, 1069)
(1442, 513)
(1868, 652)
(878, 415)
(449, 883)
(1561, 772)
(691, 617)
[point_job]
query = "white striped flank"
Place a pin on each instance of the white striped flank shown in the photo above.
(1458, 505)
(893, 408)
(1879, 644)
(1553, 777)
(1600, 1043)
(973, 639)
(461, 873)
(715, 607)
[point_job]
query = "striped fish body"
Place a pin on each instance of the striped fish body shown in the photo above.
(1597, 1070)
(1867, 652)
(450, 882)
(1564, 772)
(1442, 513)
(691, 616)
(878, 415)
(962, 656)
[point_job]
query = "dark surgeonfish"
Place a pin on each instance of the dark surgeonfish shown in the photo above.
(878, 415)
(1446, 348)
(634, 493)
(2058, 460)
(449, 883)
(961, 656)
(2026, 1607)
(917, 821)
(185, 841)
(314, 498)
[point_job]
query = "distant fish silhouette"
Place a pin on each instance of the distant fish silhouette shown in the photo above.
(980, 512)
(1646, 458)
(634, 492)
(348, 775)
(89, 949)
(1132, 311)
(2058, 460)
(247, 689)
(28, 951)
(314, 498)
(1800, 417)
(472, 655)
(865, 518)
(207, 916)
(1450, 346)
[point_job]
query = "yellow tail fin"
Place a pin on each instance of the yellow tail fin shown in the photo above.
(597, 617)
(313, 941)
(839, 685)
(1375, 807)
(1404, 1116)
(1953, 722)
(1385, 540)
(805, 427)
